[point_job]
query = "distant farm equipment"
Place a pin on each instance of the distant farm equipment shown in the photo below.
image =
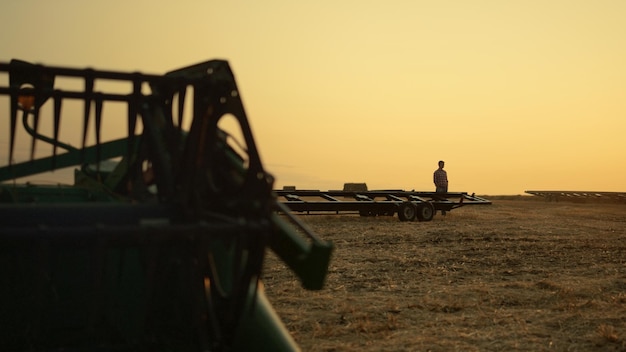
(581, 196)
(408, 205)
(158, 243)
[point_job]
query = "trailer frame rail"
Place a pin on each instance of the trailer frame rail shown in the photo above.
(409, 205)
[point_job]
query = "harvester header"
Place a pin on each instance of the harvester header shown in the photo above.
(159, 240)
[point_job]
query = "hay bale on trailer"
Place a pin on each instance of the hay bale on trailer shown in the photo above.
(355, 187)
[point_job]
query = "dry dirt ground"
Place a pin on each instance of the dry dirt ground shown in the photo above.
(521, 274)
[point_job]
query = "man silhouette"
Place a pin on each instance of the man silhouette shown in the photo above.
(440, 178)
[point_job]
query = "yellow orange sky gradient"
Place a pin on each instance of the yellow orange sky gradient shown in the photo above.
(513, 95)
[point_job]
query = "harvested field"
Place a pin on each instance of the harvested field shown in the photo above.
(522, 274)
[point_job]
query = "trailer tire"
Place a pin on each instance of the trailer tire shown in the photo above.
(407, 211)
(425, 211)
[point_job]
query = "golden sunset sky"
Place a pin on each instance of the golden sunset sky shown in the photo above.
(513, 95)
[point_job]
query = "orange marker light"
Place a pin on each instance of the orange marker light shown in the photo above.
(26, 102)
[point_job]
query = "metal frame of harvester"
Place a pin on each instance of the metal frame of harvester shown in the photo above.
(409, 205)
(164, 250)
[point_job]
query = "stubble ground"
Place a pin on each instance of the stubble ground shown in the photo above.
(520, 274)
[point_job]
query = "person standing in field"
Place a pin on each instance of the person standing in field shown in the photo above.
(440, 178)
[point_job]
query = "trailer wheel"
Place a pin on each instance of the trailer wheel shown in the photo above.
(425, 211)
(407, 211)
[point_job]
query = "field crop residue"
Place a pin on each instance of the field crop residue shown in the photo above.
(521, 274)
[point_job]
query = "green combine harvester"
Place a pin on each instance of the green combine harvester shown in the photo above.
(158, 242)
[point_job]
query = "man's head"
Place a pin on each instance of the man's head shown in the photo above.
(441, 163)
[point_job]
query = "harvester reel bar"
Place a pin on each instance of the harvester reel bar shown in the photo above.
(58, 102)
(32, 85)
(89, 82)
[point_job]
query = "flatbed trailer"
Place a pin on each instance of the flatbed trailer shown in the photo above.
(409, 205)
(580, 195)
